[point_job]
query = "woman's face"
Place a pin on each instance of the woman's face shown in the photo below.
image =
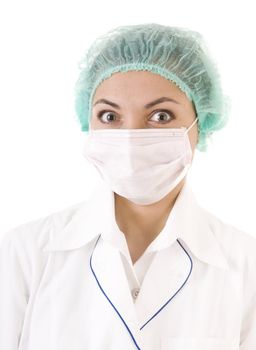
(131, 95)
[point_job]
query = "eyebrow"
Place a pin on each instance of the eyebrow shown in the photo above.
(148, 105)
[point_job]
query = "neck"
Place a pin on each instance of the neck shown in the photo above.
(144, 222)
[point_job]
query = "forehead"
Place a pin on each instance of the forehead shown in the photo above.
(137, 83)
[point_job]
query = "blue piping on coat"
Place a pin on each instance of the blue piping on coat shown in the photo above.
(120, 316)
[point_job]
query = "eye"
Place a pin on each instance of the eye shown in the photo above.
(164, 116)
(105, 113)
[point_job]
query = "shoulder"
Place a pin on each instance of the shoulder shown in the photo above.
(239, 246)
(34, 234)
(22, 259)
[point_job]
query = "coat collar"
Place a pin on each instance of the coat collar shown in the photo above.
(187, 222)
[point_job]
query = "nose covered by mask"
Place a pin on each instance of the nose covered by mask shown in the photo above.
(142, 165)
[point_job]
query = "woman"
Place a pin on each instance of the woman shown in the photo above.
(139, 265)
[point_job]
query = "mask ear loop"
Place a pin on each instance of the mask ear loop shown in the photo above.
(192, 124)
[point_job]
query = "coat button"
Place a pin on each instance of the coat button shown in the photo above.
(135, 292)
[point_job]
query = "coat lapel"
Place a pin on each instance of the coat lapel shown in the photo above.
(108, 271)
(166, 276)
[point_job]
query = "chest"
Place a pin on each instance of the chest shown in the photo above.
(83, 301)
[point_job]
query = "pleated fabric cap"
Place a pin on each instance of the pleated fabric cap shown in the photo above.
(179, 54)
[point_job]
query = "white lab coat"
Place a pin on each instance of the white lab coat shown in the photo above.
(63, 287)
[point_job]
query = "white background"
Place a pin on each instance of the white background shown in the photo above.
(42, 167)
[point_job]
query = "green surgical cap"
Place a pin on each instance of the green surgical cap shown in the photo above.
(178, 54)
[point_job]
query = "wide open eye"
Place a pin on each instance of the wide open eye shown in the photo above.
(106, 116)
(163, 116)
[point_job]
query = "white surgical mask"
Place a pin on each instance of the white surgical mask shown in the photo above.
(142, 165)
